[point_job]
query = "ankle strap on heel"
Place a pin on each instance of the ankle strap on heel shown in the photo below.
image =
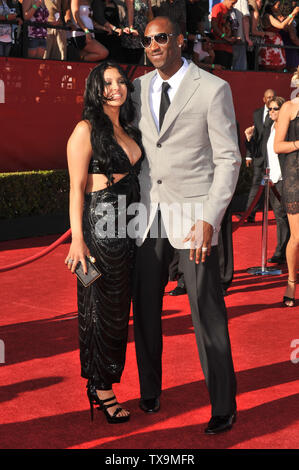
(108, 399)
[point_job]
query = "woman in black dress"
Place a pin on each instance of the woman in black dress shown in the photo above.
(104, 158)
(286, 144)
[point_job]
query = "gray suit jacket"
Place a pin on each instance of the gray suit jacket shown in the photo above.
(193, 163)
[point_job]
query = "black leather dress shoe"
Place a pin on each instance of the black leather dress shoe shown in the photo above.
(277, 259)
(151, 405)
(219, 424)
(178, 291)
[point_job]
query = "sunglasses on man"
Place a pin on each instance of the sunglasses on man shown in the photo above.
(160, 38)
(274, 109)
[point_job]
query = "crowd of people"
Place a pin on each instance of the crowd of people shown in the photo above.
(227, 34)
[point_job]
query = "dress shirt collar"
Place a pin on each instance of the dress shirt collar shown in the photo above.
(173, 81)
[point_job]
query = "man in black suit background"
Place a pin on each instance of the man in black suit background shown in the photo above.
(256, 151)
(256, 155)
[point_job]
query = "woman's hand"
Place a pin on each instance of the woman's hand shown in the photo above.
(38, 3)
(11, 17)
(118, 31)
(231, 39)
(131, 30)
(218, 67)
(295, 11)
(78, 252)
(88, 37)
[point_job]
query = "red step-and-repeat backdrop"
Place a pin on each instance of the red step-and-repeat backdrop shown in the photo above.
(41, 102)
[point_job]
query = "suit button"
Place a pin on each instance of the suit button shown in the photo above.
(159, 181)
(159, 145)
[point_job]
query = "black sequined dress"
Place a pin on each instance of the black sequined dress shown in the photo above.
(104, 306)
(290, 171)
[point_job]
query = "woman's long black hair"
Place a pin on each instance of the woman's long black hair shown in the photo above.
(102, 135)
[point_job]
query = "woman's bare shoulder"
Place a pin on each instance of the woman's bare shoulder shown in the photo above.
(83, 126)
(81, 131)
(290, 108)
(80, 137)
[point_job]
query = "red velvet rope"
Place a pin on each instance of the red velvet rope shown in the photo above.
(276, 193)
(254, 202)
(38, 255)
(250, 208)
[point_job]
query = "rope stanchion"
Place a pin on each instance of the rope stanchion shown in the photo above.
(38, 255)
(263, 269)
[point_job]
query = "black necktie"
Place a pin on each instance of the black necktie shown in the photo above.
(268, 120)
(165, 102)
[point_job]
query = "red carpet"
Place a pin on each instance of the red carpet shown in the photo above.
(43, 402)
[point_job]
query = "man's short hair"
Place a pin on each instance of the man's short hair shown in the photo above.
(174, 25)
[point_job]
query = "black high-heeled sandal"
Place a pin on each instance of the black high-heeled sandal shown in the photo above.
(289, 299)
(95, 400)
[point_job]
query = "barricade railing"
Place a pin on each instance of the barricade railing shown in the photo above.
(257, 45)
(24, 38)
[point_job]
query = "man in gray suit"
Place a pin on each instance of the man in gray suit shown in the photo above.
(188, 177)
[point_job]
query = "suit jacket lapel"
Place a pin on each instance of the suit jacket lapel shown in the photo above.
(145, 98)
(185, 91)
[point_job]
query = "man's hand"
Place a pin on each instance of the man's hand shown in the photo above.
(218, 67)
(249, 132)
(200, 237)
(130, 30)
(248, 162)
